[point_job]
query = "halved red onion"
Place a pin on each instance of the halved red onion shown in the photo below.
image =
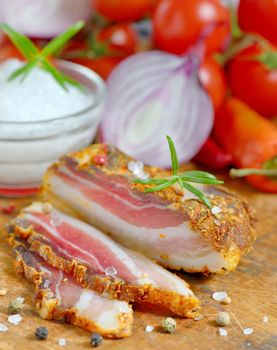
(43, 18)
(151, 95)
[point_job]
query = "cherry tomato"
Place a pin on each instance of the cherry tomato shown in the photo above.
(213, 79)
(259, 16)
(120, 37)
(101, 65)
(123, 10)
(253, 82)
(179, 24)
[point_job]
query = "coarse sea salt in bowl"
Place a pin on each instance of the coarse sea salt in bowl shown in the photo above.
(40, 121)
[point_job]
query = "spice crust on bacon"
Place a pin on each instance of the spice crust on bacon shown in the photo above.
(179, 231)
(179, 300)
(52, 306)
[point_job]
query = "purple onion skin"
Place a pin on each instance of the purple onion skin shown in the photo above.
(43, 18)
(154, 94)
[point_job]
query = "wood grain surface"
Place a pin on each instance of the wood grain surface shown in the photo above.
(252, 289)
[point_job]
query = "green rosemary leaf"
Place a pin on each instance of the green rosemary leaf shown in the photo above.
(58, 42)
(55, 73)
(150, 181)
(35, 57)
(202, 180)
(24, 70)
(180, 182)
(22, 43)
(72, 82)
(198, 193)
(173, 154)
(199, 173)
(162, 186)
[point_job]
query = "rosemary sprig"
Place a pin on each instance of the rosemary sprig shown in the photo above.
(183, 179)
(40, 58)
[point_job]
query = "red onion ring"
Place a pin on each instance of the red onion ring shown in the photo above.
(151, 95)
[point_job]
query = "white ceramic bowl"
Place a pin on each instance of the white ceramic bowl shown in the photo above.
(28, 148)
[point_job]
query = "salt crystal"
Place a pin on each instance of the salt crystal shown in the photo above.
(38, 97)
(219, 296)
(149, 329)
(223, 332)
(216, 210)
(265, 319)
(20, 299)
(137, 169)
(143, 175)
(15, 319)
(198, 318)
(3, 328)
(110, 271)
(248, 331)
(46, 284)
(55, 220)
(217, 222)
(123, 307)
(62, 341)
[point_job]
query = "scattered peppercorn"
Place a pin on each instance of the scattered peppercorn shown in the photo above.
(169, 325)
(15, 307)
(96, 340)
(222, 318)
(41, 333)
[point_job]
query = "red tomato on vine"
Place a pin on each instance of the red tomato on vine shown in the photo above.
(123, 10)
(259, 16)
(177, 25)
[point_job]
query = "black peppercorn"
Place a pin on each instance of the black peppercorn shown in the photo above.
(96, 340)
(41, 333)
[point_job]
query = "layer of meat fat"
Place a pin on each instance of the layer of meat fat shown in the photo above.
(143, 239)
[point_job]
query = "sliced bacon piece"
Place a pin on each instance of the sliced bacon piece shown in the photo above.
(98, 262)
(59, 297)
(175, 229)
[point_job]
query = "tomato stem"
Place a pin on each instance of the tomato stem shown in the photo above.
(268, 58)
(249, 171)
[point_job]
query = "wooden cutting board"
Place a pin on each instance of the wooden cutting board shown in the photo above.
(252, 289)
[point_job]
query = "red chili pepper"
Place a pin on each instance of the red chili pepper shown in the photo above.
(252, 141)
(213, 156)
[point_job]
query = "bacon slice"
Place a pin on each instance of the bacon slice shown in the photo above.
(59, 297)
(175, 229)
(99, 263)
